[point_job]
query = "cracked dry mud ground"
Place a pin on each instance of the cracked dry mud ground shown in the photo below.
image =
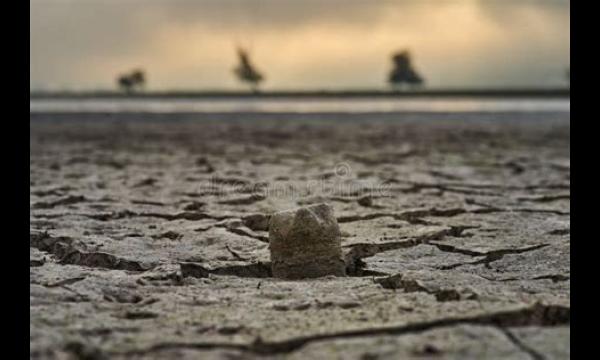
(148, 238)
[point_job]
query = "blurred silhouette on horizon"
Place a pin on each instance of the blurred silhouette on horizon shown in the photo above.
(403, 72)
(134, 81)
(246, 72)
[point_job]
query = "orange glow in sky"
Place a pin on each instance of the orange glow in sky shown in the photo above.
(184, 44)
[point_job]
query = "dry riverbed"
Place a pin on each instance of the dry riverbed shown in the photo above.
(149, 238)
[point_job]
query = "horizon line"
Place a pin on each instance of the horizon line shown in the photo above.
(499, 91)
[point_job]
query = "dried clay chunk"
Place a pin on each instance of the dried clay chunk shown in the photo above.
(305, 243)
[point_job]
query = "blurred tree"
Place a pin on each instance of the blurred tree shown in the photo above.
(124, 83)
(246, 72)
(135, 80)
(138, 77)
(403, 71)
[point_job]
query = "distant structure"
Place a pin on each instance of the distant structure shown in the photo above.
(246, 72)
(403, 71)
(133, 81)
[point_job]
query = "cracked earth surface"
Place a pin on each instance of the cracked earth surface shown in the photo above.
(149, 236)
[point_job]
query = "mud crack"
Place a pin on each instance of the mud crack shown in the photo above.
(353, 258)
(489, 256)
(522, 346)
(535, 315)
(412, 216)
(257, 270)
(68, 200)
(66, 251)
(399, 281)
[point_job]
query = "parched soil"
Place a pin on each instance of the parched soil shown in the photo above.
(149, 236)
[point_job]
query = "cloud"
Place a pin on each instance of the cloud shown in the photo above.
(343, 43)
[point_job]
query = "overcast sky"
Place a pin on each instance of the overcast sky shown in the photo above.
(298, 44)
